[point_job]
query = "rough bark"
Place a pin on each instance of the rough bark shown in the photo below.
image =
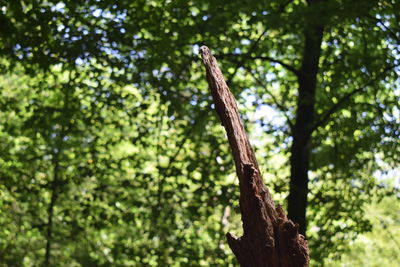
(304, 124)
(269, 238)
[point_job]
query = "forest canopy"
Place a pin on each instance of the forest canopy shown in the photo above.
(112, 154)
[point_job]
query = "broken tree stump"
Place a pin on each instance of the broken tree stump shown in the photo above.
(269, 237)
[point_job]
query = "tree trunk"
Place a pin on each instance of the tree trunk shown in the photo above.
(304, 124)
(269, 238)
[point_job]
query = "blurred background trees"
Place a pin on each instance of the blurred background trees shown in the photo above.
(111, 154)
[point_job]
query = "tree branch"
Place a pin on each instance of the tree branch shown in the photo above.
(251, 49)
(390, 31)
(266, 58)
(325, 118)
(280, 9)
(274, 100)
(283, 64)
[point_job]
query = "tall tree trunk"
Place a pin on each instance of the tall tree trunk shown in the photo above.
(300, 150)
(55, 186)
(50, 210)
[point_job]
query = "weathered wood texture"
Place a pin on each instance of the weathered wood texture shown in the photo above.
(269, 238)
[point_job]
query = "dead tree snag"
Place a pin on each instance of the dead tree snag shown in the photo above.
(269, 238)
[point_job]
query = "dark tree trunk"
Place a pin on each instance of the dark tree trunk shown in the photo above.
(304, 124)
(269, 238)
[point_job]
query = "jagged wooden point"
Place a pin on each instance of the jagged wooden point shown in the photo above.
(269, 237)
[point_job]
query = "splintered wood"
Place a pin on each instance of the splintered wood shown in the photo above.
(269, 238)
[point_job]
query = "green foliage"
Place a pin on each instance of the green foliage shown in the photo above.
(379, 247)
(124, 189)
(107, 131)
